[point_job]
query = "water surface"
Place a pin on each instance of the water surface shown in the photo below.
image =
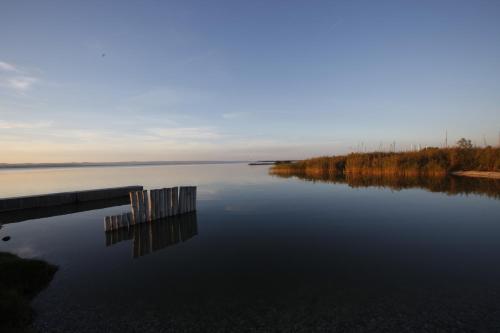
(264, 253)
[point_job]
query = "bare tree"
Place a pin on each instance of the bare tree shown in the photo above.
(464, 143)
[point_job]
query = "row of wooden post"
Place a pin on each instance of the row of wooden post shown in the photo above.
(147, 206)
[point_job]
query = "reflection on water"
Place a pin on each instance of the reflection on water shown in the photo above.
(450, 185)
(151, 237)
(272, 254)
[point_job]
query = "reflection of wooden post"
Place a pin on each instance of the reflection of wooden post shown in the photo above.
(175, 201)
(125, 220)
(168, 201)
(107, 223)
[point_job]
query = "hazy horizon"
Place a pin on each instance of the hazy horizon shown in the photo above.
(229, 80)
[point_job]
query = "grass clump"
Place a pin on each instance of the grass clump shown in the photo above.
(20, 281)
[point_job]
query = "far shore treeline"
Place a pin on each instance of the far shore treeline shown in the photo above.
(424, 162)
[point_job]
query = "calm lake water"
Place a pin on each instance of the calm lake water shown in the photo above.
(264, 253)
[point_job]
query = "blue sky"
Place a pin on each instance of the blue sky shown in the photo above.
(239, 80)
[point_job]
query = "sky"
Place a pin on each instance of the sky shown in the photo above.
(243, 80)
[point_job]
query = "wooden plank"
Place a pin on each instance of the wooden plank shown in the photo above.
(63, 198)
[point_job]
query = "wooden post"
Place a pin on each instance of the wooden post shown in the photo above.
(143, 207)
(113, 222)
(152, 204)
(175, 200)
(162, 203)
(133, 207)
(194, 198)
(186, 199)
(183, 199)
(146, 205)
(190, 199)
(138, 198)
(157, 204)
(169, 201)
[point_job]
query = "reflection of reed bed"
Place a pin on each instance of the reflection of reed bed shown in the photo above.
(445, 184)
(151, 237)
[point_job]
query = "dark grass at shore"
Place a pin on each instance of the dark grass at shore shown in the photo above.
(20, 281)
(425, 162)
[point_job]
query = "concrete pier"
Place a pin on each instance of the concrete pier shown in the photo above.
(64, 198)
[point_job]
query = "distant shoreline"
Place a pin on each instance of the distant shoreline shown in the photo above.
(5, 166)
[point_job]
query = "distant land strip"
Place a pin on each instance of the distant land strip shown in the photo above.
(106, 164)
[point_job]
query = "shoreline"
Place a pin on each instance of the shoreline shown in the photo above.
(477, 174)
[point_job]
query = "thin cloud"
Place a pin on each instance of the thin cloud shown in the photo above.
(233, 115)
(16, 79)
(187, 133)
(5, 66)
(24, 125)
(21, 83)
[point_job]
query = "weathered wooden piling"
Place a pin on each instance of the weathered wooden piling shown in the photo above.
(147, 212)
(162, 203)
(182, 199)
(152, 204)
(133, 207)
(156, 204)
(175, 200)
(194, 198)
(168, 201)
